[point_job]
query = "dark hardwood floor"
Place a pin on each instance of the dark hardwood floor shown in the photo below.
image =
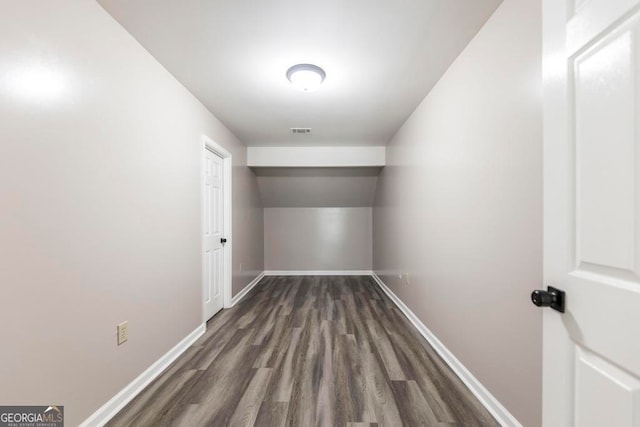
(308, 351)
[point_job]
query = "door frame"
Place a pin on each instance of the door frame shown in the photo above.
(227, 248)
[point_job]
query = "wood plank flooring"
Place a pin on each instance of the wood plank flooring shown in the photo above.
(308, 351)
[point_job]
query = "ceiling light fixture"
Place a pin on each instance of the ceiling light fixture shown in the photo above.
(306, 77)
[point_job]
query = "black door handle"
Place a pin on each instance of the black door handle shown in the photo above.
(552, 297)
(223, 240)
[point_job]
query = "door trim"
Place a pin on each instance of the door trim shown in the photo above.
(209, 144)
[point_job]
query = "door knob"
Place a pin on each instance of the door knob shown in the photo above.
(552, 297)
(223, 240)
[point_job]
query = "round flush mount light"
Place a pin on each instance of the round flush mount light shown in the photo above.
(306, 77)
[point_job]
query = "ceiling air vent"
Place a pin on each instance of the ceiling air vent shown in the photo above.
(300, 131)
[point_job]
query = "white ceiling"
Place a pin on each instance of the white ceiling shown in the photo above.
(381, 59)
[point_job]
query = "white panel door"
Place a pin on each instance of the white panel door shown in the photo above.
(591, 352)
(213, 230)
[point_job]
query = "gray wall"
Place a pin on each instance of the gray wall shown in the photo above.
(100, 158)
(459, 208)
(318, 238)
(296, 187)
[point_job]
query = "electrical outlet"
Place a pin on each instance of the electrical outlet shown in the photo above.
(240, 267)
(123, 332)
(406, 279)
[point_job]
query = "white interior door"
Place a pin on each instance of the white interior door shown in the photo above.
(591, 353)
(213, 233)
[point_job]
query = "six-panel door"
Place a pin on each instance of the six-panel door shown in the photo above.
(592, 206)
(213, 253)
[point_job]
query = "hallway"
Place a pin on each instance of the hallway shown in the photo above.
(304, 351)
(409, 183)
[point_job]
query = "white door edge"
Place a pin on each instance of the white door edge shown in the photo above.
(209, 144)
(591, 356)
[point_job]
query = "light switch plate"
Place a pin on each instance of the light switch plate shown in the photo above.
(123, 332)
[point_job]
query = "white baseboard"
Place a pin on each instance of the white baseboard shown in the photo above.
(318, 273)
(246, 290)
(499, 412)
(117, 402)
